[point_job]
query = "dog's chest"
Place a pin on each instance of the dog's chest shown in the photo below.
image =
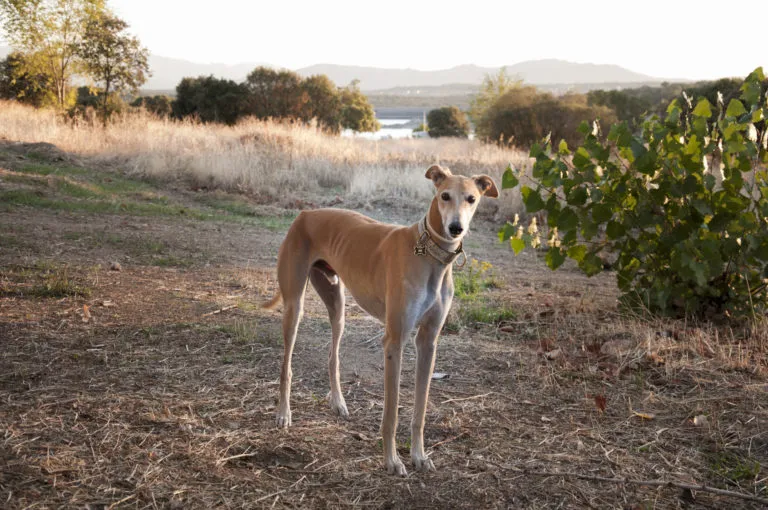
(425, 299)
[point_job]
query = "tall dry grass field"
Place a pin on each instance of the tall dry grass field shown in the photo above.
(261, 157)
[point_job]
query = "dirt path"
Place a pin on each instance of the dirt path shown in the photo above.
(154, 386)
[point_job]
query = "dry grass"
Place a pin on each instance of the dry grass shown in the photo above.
(157, 387)
(261, 157)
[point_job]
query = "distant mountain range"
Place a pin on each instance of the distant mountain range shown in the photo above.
(167, 72)
(535, 72)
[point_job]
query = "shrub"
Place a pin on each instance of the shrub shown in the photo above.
(447, 121)
(685, 241)
(90, 100)
(159, 105)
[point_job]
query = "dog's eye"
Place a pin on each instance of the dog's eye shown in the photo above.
(445, 196)
(471, 199)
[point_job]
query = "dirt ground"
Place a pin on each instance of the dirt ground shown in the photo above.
(138, 371)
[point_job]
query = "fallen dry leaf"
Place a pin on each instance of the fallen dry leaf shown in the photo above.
(643, 416)
(655, 357)
(600, 403)
(546, 344)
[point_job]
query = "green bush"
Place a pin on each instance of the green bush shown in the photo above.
(447, 121)
(90, 100)
(159, 105)
(682, 207)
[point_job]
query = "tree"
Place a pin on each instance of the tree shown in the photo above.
(491, 90)
(357, 113)
(447, 121)
(18, 84)
(48, 33)
(627, 107)
(112, 57)
(523, 116)
(209, 99)
(274, 94)
(323, 102)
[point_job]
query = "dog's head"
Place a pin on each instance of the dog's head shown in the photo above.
(457, 198)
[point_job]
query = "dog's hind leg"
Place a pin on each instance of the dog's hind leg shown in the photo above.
(332, 295)
(293, 284)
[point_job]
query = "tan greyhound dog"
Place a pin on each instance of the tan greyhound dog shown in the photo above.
(400, 275)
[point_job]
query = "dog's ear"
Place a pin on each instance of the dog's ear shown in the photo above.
(437, 174)
(486, 185)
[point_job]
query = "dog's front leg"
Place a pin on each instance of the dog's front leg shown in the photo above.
(426, 350)
(393, 355)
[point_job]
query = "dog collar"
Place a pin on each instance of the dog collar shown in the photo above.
(426, 245)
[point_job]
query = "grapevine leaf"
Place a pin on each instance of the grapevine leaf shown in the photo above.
(555, 258)
(517, 245)
(509, 179)
(532, 199)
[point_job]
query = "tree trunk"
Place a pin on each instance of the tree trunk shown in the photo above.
(105, 104)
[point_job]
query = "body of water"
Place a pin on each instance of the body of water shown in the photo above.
(390, 128)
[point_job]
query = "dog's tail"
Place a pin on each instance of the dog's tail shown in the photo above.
(274, 302)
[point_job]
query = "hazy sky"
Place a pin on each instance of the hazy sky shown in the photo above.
(669, 38)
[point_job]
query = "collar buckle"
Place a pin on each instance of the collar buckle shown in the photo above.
(420, 250)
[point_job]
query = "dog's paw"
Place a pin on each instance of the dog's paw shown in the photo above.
(283, 419)
(422, 463)
(396, 467)
(339, 407)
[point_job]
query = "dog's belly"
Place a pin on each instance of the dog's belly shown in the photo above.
(370, 304)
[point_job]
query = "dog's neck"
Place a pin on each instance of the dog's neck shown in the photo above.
(436, 229)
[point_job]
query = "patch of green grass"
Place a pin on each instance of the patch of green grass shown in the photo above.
(151, 246)
(40, 199)
(241, 332)
(236, 209)
(44, 279)
(10, 241)
(74, 189)
(171, 261)
(477, 276)
(734, 467)
(483, 312)
(48, 169)
(57, 284)
(224, 206)
(276, 223)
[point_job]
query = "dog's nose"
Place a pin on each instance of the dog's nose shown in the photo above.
(455, 229)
